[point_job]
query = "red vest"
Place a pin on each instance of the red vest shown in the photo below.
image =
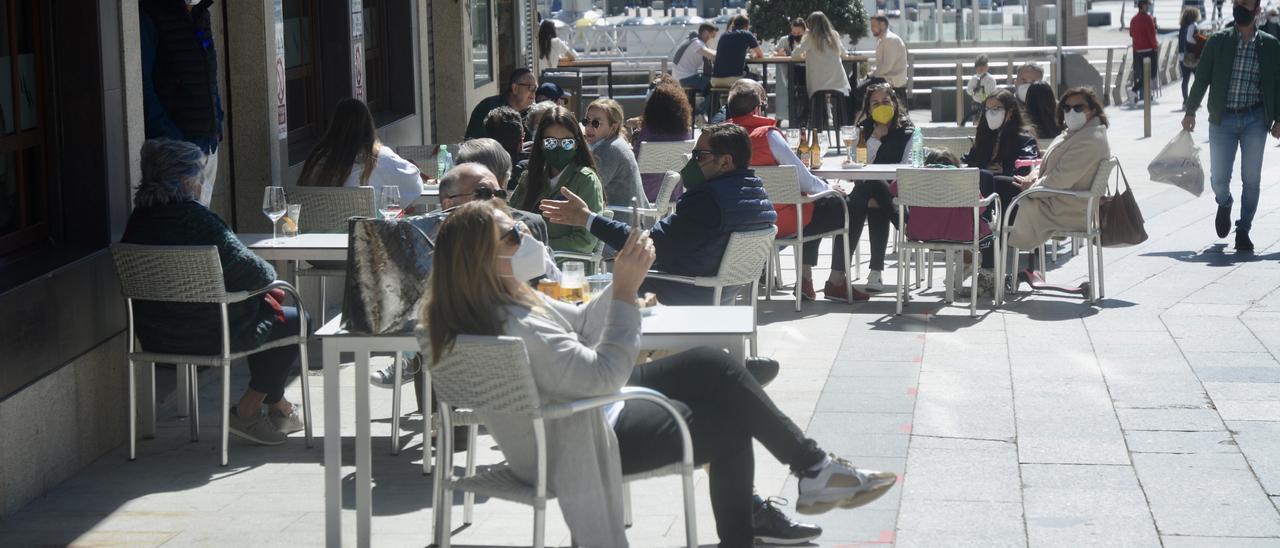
(758, 128)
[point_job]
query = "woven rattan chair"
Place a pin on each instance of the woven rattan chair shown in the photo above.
(325, 210)
(424, 156)
(949, 188)
(1090, 233)
(663, 156)
(783, 186)
(955, 145)
(193, 274)
(745, 257)
(662, 207)
(492, 375)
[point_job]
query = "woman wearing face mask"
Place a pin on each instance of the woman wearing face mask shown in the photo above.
(578, 352)
(615, 163)
(886, 131)
(1069, 164)
(1000, 141)
(166, 212)
(561, 159)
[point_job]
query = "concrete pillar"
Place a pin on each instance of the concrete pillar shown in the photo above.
(456, 92)
(250, 135)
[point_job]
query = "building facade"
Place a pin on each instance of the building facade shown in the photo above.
(72, 109)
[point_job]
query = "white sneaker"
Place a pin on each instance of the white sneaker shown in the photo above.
(386, 377)
(874, 283)
(838, 483)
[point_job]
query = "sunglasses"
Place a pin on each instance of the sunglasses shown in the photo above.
(483, 193)
(593, 124)
(551, 143)
(1077, 108)
(513, 235)
(699, 154)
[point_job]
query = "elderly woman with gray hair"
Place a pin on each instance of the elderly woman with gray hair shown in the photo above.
(168, 211)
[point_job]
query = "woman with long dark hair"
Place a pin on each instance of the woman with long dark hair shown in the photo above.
(1042, 111)
(1188, 55)
(1000, 141)
(886, 131)
(350, 154)
(551, 49)
(477, 287)
(561, 158)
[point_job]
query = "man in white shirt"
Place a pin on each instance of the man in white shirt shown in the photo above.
(690, 62)
(891, 57)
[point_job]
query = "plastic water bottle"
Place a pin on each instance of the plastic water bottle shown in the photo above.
(444, 161)
(917, 149)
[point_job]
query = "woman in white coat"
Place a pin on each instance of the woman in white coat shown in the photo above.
(1070, 163)
(824, 66)
(478, 287)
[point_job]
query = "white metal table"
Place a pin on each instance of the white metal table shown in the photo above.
(667, 328)
(833, 168)
(303, 247)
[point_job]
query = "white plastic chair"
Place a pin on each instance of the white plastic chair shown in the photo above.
(193, 275)
(950, 188)
(663, 206)
(595, 258)
(492, 375)
(1091, 232)
(782, 184)
(424, 156)
(663, 156)
(745, 257)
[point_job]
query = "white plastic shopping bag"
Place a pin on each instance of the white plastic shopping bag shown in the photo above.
(1179, 164)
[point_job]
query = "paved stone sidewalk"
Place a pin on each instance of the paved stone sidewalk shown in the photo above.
(1152, 419)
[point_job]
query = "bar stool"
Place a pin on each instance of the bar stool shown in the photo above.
(692, 94)
(819, 105)
(719, 96)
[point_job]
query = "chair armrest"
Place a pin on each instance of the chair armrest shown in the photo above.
(239, 296)
(561, 410)
(993, 198)
(653, 212)
(818, 196)
(1051, 192)
(655, 275)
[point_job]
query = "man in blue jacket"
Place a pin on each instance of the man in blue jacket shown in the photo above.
(722, 196)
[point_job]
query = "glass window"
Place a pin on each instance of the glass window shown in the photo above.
(481, 55)
(23, 209)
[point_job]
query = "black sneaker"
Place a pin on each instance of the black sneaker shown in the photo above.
(774, 527)
(763, 370)
(1223, 221)
(1243, 243)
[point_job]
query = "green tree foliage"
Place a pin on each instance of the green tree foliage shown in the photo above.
(771, 19)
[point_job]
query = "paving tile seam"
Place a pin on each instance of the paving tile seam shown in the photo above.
(1013, 407)
(915, 403)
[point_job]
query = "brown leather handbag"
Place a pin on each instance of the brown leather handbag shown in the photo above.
(1121, 220)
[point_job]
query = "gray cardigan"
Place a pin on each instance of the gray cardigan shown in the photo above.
(575, 352)
(619, 173)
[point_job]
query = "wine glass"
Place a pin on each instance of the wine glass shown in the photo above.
(849, 136)
(274, 207)
(793, 136)
(389, 202)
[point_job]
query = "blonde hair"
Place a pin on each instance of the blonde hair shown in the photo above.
(612, 112)
(465, 294)
(821, 34)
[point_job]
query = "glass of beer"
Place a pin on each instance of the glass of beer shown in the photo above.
(849, 136)
(291, 220)
(573, 280)
(550, 288)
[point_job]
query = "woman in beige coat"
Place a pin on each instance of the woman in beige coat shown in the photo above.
(1069, 164)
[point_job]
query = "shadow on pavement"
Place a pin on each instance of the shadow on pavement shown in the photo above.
(1215, 255)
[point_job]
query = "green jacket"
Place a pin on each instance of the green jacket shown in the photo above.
(1214, 72)
(581, 181)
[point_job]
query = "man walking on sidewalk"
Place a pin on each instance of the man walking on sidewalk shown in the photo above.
(1142, 29)
(1241, 69)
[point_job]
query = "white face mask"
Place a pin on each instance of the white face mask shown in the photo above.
(1074, 120)
(526, 263)
(995, 119)
(1022, 92)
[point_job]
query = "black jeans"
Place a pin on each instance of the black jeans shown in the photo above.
(1147, 59)
(1186, 79)
(877, 219)
(725, 408)
(828, 214)
(269, 369)
(1005, 186)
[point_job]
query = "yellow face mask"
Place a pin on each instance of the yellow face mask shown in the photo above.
(882, 114)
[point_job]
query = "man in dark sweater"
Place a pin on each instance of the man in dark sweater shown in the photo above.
(180, 78)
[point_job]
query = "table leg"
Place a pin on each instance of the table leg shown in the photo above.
(737, 347)
(395, 405)
(428, 411)
(332, 447)
(364, 485)
(609, 75)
